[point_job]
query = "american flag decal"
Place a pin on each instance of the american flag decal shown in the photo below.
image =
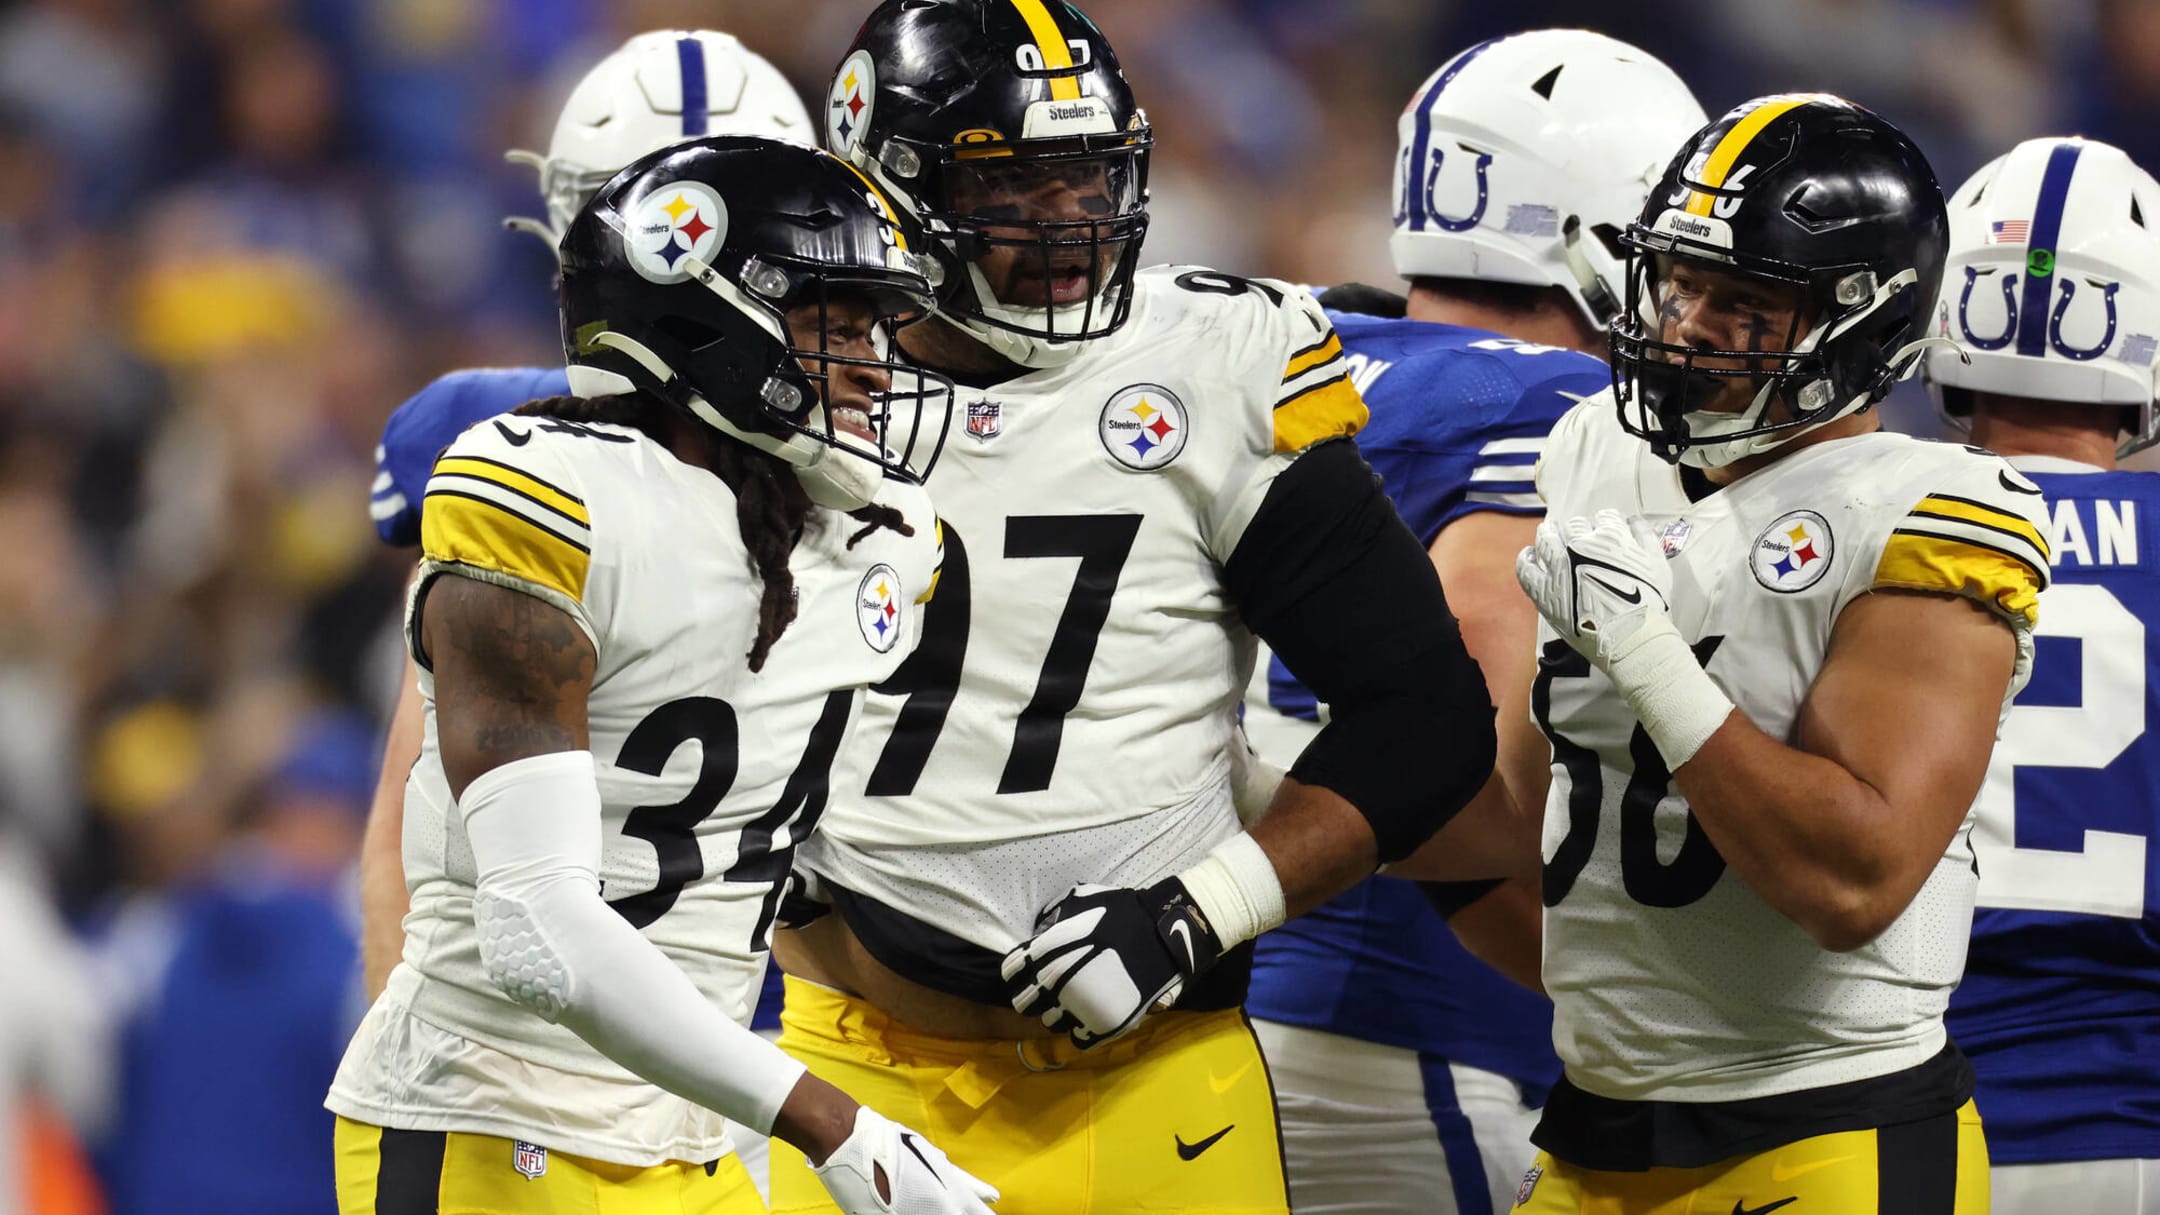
(2009, 231)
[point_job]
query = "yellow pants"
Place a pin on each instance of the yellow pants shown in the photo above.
(1178, 1115)
(389, 1172)
(1936, 1167)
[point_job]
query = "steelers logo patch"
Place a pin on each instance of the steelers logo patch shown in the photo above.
(878, 607)
(847, 107)
(1143, 427)
(1793, 553)
(682, 217)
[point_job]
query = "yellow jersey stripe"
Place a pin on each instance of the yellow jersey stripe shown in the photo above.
(1996, 578)
(569, 506)
(1980, 514)
(1735, 142)
(884, 205)
(1050, 40)
(1312, 356)
(1329, 410)
(473, 531)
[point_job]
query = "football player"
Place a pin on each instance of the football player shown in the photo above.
(657, 89)
(1038, 842)
(1776, 647)
(644, 623)
(1407, 1073)
(2053, 296)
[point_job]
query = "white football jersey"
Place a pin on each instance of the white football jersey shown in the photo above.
(709, 775)
(1069, 716)
(1671, 979)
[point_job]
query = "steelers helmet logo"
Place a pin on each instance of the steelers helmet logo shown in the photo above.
(670, 221)
(1143, 427)
(847, 107)
(1793, 553)
(879, 607)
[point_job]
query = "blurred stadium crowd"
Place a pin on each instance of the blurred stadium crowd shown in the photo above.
(235, 233)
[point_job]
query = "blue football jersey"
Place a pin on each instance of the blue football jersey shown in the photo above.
(2060, 1007)
(419, 429)
(1458, 419)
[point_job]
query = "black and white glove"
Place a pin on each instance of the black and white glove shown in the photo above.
(1103, 957)
(1605, 586)
(883, 1168)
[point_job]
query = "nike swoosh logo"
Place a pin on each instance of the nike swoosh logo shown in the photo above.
(2013, 486)
(1182, 933)
(1224, 1085)
(514, 438)
(1741, 1208)
(1780, 1174)
(1630, 596)
(1191, 1151)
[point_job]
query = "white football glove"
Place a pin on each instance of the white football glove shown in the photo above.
(1597, 583)
(1605, 586)
(883, 1168)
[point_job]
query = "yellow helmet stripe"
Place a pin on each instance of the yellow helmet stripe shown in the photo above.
(884, 204)
(1735, 142)
(1050, 40)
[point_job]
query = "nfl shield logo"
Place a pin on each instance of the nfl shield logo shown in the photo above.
(528, 1158)
(983, 419)
(1529, 1184)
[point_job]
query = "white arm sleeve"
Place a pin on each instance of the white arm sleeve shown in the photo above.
(551, 943)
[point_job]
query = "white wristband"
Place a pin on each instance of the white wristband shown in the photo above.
(1235, 886)
(1678, 703)
(551, 943)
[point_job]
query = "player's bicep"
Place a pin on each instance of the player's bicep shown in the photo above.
(1908, 699)
(512, 674)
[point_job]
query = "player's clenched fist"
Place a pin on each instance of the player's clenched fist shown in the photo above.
(1102, 957)
(1596, 581)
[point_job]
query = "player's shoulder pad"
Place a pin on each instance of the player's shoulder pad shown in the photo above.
(507, 497)
(1273, 334)
(1970, 525)
(419, 429)
(1573, 441)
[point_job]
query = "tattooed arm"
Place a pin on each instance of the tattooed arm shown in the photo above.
(511, 676)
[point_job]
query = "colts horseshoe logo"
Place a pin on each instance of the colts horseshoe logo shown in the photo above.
(2055, 317)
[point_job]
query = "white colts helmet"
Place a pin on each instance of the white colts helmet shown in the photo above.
(1522, 159)
(657, 89)
(2052, 289)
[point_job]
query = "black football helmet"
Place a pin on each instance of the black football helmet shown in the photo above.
(678, 276)
(1801, 189)
(1004, 124)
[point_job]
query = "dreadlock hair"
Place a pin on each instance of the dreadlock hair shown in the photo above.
(771, 507)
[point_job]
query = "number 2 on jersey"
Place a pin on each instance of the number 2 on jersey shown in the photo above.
(2107, 875)
(931, 676)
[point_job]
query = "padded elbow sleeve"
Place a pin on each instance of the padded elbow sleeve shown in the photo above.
(1342, 591)
(553, 946)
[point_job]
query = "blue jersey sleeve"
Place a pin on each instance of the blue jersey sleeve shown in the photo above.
(1458, 427)
(419, 429)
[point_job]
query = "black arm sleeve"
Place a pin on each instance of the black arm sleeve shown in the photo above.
(1330, 577)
